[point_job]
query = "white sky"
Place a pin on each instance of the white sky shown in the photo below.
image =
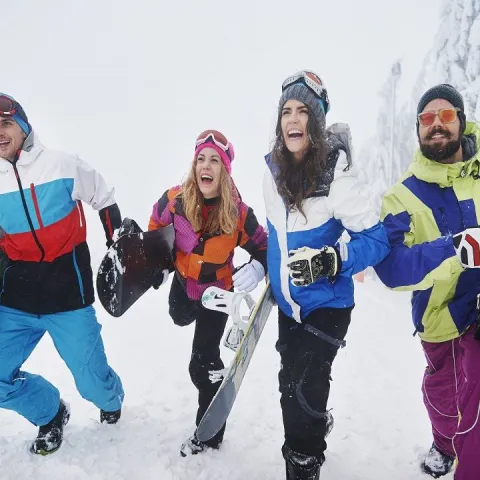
(129, 84)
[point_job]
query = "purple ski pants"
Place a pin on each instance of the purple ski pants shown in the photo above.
(451, 393)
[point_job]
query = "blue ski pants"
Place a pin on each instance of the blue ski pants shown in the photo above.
(77, 339)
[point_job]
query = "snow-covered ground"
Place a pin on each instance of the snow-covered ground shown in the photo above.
(381, 428)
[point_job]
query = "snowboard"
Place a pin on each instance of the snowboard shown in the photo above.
(132, 265)
(221, 405)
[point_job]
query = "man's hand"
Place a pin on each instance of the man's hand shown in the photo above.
(467, 246)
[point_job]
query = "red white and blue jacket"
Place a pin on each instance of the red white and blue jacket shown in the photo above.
(43, 230)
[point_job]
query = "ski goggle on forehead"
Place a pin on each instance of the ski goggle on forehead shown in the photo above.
(445, 115)
(7, 106)
(313, 82)
(212, 136)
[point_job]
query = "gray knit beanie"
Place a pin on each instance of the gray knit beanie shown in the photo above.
(302, 93)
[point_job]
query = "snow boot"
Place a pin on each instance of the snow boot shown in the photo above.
(436, 463)
(193, 445)
(50, 436)
(299, 466)
(330, 424)
(110, 417)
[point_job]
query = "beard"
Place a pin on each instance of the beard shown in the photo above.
(440, 153)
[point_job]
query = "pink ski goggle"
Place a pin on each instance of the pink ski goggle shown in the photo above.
(212, 136)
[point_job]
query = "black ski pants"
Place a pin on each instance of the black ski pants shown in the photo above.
(307, 353)
(209, 328)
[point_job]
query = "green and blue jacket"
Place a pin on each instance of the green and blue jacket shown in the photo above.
(421, 213)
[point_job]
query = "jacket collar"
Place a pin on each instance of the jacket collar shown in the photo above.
(444, 174)
(31, 149)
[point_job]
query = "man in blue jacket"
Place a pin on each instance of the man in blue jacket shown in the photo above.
(47, 282)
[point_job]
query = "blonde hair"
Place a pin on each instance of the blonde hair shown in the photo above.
(224, 218)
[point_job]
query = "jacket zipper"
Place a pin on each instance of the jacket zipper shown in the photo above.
(24, 202)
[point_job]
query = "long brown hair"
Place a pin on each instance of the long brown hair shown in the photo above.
(296, 180)
(224, 217)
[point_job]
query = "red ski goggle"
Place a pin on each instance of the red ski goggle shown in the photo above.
(7, 106)
(212, 136)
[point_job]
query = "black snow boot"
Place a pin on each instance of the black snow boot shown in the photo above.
(193, 445)
(300, 466)
(110, 417)
(436, 463)
(50, 436)
(330, 423)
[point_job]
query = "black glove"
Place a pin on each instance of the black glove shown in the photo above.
(307, 265)
(127, 226)
(111, 220)
(160, 278)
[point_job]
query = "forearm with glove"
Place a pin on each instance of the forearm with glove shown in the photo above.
(111, 219)
(248, 276)
(467, 248)
(307, 265)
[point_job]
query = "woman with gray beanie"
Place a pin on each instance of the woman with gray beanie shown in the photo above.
(312, 196)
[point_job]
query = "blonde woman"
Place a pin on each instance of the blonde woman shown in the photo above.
(210, 220)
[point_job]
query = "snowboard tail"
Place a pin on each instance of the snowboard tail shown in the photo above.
(132, 265)
(221, 405)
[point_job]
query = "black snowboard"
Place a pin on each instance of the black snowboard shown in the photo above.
(132, 265)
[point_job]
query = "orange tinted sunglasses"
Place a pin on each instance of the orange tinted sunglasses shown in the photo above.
(445, 115)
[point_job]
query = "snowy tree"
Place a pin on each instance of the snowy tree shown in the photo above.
(454, 59)
(386, 157)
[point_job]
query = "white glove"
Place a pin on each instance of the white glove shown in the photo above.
(307, 265)
(248, 277)
(467, 246)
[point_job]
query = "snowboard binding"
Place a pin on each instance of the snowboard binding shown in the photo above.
(215, 298)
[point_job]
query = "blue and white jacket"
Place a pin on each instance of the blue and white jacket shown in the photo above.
(337, 205)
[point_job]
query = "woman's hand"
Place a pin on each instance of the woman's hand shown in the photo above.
(307, 265)
(248, 276)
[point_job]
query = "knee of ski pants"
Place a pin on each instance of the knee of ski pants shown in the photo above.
(182, 310)
(304, 380)
(80, 341)
(77, 338)
(183, 315)
(199, 372)
(82, 348)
